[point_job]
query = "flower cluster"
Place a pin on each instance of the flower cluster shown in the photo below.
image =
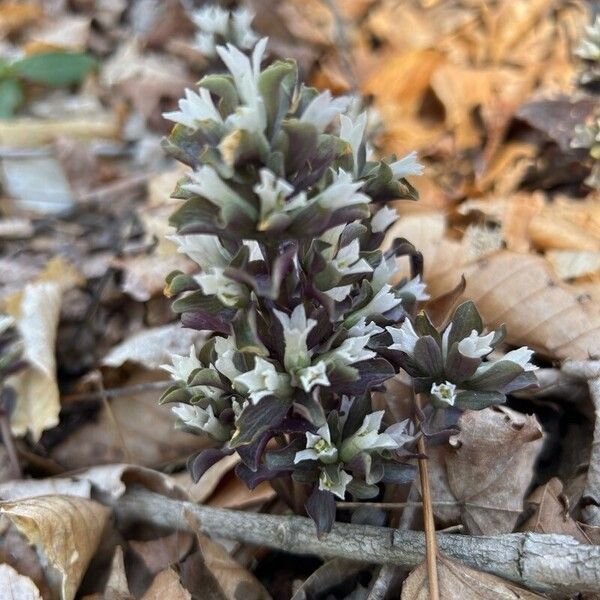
(284, 213)
(454, 367)
(219, 26)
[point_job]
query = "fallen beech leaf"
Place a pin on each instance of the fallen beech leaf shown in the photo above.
(459, 582)
(552, 512)
(486, 469)
(16, 586)
(36, 310)
(166, 585)
(31, 488)
(16, 15)
(162, 553)
(523, 292)
(66, 529)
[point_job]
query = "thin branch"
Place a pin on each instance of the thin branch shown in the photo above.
(543, 562)
(116, 392)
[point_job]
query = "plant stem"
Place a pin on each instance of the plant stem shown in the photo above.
(430, 541)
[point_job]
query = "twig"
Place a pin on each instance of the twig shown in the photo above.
(543, 562)
(390, 505)
(116, 392)
(432, 575)
(590, 372)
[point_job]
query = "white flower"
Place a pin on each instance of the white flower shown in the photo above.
(295, 332)
(204, 419)
(263, 380)
(367, 438)
(227, 290)
(322, 109)
(183, 366)
(339, 293)
(313, 375)
(246, 72)
(336, 485)
(352, 131)
(275, 207)
(404, 338)
(381, 302)
(352, 350)
(383, 218)
(318, 447)
(362, 328)
(205, 44)
(241, 20)
(207, 183)
(445, 338)
(342, 193)
(383, 272)
(522, 357)
(225, 350)
(194, 108)
(204, 249)
(444, 392)
(211, 18)
(417, 288)
(407, 165)
(476, 346)
(402, 433)
(348, 261)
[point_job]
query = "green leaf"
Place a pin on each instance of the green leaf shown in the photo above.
(11, 96)
(54, 68)
(465, 319)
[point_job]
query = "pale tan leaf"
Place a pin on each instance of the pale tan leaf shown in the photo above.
(459, 582)
(116, 587)
(569, 264)
(153, 347)
(16, 586)
(486, 470)
(30, 488)
(66, 530)
(36, 310)
(166, 585)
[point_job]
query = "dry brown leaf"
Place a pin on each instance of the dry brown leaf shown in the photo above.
(36, 310)
(31, 488)
(486, 470)
(552, 512)
(235, 581)
(16, 586)
(130, 428)
(66, 529)
(162, 553)
(166, 585)
(16, 15)
(570, 264)
(459, 582)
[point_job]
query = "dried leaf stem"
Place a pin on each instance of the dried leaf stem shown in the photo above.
(432, 576)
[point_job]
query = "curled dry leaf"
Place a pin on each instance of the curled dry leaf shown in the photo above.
(66, 529)
(17, 586)
(459, 582)
(485, 470)
(36, 310)
(551, 512)
(117, 587)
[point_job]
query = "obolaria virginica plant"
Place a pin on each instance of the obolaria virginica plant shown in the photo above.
(284, 213)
